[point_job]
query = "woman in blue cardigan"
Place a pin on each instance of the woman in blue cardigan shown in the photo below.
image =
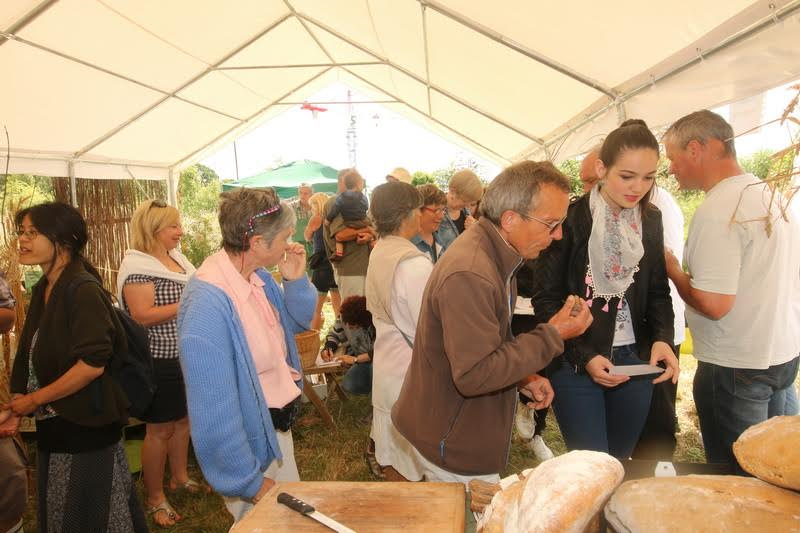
(236, 330)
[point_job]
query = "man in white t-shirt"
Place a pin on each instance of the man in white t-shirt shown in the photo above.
(743, 258)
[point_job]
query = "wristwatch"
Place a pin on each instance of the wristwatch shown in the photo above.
(355, 360)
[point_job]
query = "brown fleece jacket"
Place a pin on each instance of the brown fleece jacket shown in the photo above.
(458, 398)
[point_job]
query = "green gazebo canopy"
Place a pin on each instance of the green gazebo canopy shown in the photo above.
(285, 179)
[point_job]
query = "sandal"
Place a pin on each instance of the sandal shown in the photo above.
(372, 462)
(164, 507)
(191, 486)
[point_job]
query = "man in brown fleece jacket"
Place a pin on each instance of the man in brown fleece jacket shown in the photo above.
(456, 406)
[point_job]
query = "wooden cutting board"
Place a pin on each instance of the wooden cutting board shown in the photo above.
(363, 507)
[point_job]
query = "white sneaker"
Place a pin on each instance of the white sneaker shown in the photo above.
(524, 421)
(540, 449)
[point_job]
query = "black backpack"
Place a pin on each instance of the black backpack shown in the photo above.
(131, 369)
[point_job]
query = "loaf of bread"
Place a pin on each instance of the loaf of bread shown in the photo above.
(561, 495)
(771, 451)
(702, 504)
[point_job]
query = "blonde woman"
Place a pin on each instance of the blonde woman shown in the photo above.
(151, 280)
(321, 268)
(464, 192)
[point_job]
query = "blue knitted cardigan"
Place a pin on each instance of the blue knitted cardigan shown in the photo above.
(232, 431)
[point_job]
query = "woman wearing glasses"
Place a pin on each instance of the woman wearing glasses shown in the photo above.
(431, 215)
(59, 378)
(151, 279)
(611, 254)
(236, 330)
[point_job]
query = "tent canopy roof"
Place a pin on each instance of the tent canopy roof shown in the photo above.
(141, 88)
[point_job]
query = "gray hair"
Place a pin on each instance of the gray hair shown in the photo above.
(701, 126)
(392, 203)
(242, 214)
(517, 188)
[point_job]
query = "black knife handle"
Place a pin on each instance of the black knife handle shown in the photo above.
(295, 504)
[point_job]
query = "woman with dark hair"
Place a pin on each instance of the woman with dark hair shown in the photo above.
(59, 377)
(612, 254)
(236, 330)
(396, 279)
(356, 333)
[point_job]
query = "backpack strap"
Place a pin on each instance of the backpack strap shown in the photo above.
(80, 279)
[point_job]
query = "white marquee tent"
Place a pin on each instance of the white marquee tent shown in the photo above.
(142, 88)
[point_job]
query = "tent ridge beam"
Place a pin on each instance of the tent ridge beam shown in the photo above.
(335, 102)
(303, 65)
(251, 117)
(174, 93)
(417, 78)
(765, 23)
(310, 33)
(430, 117)
(26, 19)
(517, 47)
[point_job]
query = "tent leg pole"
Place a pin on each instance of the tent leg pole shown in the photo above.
(73, 185)
(172, 189)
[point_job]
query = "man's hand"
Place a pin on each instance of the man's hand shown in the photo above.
(598, 369)
(538, 389)
(363, 237)
(661, 351)
(293, 263)
(9, 422)
(572, 319)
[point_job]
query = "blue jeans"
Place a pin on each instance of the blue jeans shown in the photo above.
(784, 402)
(730, 400)
(593, 417)
(358, 380)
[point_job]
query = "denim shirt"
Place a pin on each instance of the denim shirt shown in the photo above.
(448, 231)
(426, 248)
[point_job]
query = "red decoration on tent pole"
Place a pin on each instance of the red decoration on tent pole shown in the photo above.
(313, 108)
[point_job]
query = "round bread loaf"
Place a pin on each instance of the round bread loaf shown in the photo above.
(771, 451)
(702, 504)
(561, 495)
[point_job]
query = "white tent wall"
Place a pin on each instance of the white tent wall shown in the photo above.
(142, 88)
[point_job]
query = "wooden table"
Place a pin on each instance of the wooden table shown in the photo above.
(363, 507)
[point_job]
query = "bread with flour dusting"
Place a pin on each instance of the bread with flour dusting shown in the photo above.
(702, 504)
(771, 451)
(561, 495)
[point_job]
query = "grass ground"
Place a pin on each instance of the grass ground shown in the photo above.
(323, 454)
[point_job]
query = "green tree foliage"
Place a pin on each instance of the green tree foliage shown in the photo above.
(421, 178)
(198, 200)
(571, 168)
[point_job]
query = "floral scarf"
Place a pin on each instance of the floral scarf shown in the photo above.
(615, 249)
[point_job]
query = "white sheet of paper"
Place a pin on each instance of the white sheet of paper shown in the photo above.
(635, 370)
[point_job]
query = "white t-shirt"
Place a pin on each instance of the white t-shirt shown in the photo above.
(623, 329)
(672, 218)
(728, 252)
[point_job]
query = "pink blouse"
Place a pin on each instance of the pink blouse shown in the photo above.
(262, 327)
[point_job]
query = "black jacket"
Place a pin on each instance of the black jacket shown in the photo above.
(89, 330)
(560, 271)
